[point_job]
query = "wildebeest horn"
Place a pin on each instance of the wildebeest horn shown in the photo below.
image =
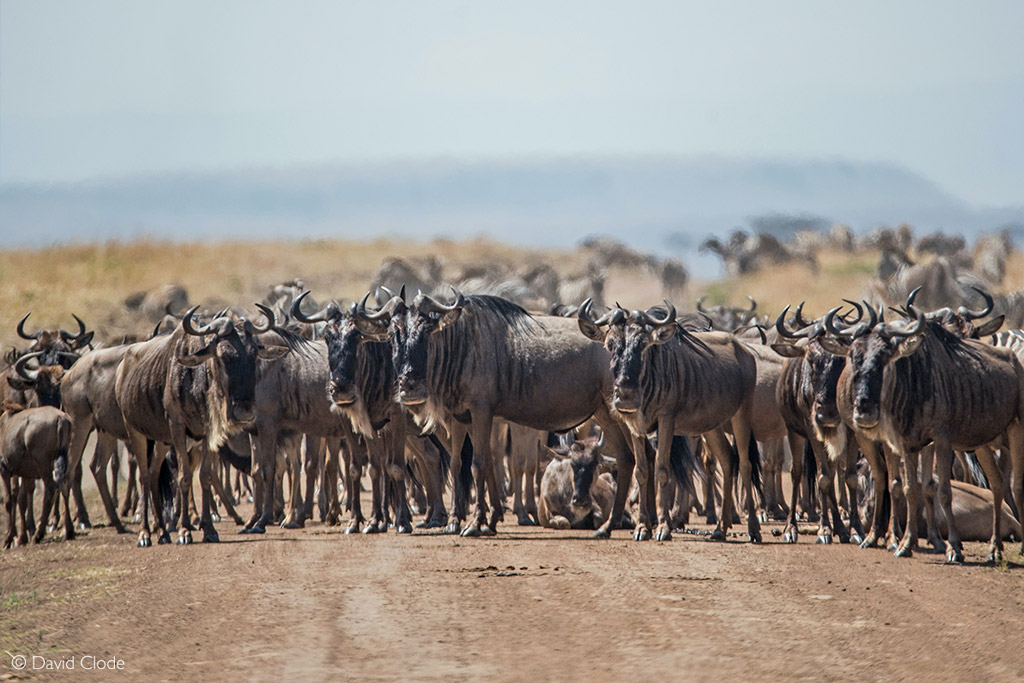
(700, 306)
(71, 338)
(384, 314)
(186, 324)
(912, 296)
(387, 293)
(972, 315)
(328, 313)
(780, 325)
(911, 331)
(860, 312)
(430, 305)
(830, 325)
(24, 372)
(670, 315)
(798, 315)
(21, 329)
(583, 313)
(753, 304)
(271, 319)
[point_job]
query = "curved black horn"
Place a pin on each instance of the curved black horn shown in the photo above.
(860, 312)
(24, 372)
(780, 326)
(271, 320)
(670, 315)
(430, 305)
(912, 296)
(21, 329)
(973, 315)
(186, 324)
(700, 307)
(583, 313)
(830, 324)
(911, 331)
(70, 338)
(329, 312)
(798, 316)
(872, 316)
(753, 304)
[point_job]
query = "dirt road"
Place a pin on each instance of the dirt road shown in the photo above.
(529, 605)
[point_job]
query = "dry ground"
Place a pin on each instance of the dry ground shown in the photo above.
(530, 604)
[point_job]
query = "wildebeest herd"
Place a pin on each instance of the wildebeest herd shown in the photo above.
(624, 419)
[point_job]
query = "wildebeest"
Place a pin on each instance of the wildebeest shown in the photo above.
(33, 445)
(912, 383)
(679, 383)
(462, 364)
(183, 386)
(577, 491)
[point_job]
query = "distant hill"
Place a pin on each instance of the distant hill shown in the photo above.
(643, 201)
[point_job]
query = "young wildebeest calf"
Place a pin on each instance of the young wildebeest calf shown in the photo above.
(576, 492)
(33, 445)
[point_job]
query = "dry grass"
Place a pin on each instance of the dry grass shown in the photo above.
(94, 280)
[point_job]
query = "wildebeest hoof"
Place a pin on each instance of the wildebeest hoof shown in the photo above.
(138, 517)
(352, 528)
(405, 528)
(454, 527)
(754, 537)
(711, 519)
(211, 538)
(824, 539)
(256, 529)
(69, 534)
(856, 539)
(995, 556)
(185, 537)
(526, 521)
(82, 526)
(215, 517)
(904, 551)
(434, 524)
(488, 530)
(790, 536)
(603, 532)
(296, 524)
(717, 535)
(144, 541)
(471, 530)
(642, 533)
(422, 524)
(371, 528)
(954, 556)
(663, 535)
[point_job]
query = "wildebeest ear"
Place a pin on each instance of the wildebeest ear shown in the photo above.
(834, 346)
(788, 350)
(908, 345)
(197, 358)
(272, 352)
(372, 330)
(19, 384)
(662, 333)
(447, 319)
(990, 327)
(592, 331)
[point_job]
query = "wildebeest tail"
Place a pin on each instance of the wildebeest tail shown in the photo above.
(974, 467)
(60, 463)
(754, 455)
(684, 464)
(240, 462)
(165, 482)
(446, 457)
(465, 473)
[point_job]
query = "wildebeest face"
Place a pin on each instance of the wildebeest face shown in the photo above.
(584, 459)
(823, 370)
(412, 351)
(868, 358)
(343, 342)
(627, 343)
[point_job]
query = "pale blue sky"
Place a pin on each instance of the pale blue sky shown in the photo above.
(112, 88)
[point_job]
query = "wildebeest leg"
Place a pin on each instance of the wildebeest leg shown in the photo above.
(895, 470)
(944, 469)
(987, 460)
(375, 456)
(666, 482)
(796, 446)
(616, 443)
(483, 476)
(460, 494)
(646, 491)
(186, 461)
(710, 483)
(329, 481)
(394, 448)
(144, 452)
(130, 506)
(49, 489)
(356, 457)
(530, 464)
(224, 493)
(1015, 435)
(775, 500)
(264, 474)
(312, 467)
(853, 487)
(827, 495)
(10, 493)
(24, 496)
(82, 514)
(927, 469)
(913, 492)
(744, 440)
(207, 478)
(719, 446)
(292, 446)
(106, 450)
(879, 477)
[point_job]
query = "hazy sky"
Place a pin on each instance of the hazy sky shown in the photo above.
(93, 89)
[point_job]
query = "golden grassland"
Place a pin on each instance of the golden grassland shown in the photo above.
(94, 280)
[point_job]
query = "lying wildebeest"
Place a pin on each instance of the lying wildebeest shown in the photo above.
(577, 490)
(462, 364)
(33, 445)
(679, 383)
(912, 383)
